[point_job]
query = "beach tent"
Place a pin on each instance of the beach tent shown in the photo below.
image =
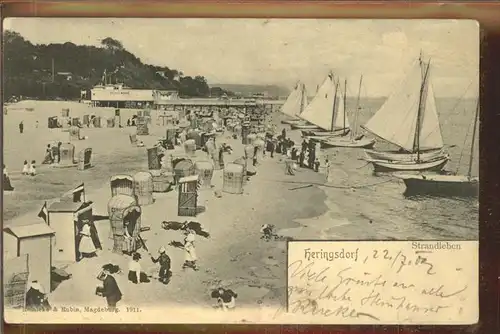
(66, 219)
(188, 196)
(35, 242)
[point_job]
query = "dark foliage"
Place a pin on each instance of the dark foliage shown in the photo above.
(62, 71)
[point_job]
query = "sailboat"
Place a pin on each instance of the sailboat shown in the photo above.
(353, 141)
(323, 111)
(445, 185)
(409, 120)
(295, 104)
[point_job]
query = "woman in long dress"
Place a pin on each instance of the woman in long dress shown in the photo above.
(191, 258)
(86, 247)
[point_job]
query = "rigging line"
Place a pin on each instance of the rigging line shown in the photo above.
(452, 112)
(463, 147)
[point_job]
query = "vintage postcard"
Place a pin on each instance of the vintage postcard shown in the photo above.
(240, 170)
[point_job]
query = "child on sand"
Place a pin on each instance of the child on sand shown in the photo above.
(26, 168)
(32, 169)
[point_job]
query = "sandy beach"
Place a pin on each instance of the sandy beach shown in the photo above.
(356, 205)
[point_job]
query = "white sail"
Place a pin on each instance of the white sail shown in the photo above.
(304, 99)
(292, 105)
(320, 111)
(341, 120)
(396, 120)
(430, 133)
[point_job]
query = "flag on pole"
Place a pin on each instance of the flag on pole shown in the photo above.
(76, 192)
(44, 213)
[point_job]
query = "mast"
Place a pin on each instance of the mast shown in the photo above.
(301, 98)
(345, 93)
(355, 127)
(334, 104)
(469, 173)
(416, 145)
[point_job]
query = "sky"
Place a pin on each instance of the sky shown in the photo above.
(283, 51)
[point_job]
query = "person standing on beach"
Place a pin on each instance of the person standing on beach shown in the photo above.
(59, 144)
(26, 168)
(301, 158)
(110, 289)
(327, 170)
(135, 273)
(36, 124)
(48, 159)
(191, 258)
(21, 127)
(164, 260)
(32, 169)
(86, 246)
(6, 180)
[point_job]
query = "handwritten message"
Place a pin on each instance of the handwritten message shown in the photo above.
(383, 282)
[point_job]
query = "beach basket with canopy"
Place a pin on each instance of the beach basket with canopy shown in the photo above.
(188, 196)
(142, 126)
(143, 188)
(133, 139)
(233, 179)
(242, 162)
(170, 134)
(182, 168)
(124, 213)
(52, 122)
(15, 281)
(97, 121)
(194, 135)
(110, 122)
(153, 158)
(205, 171)
(65, 112)
(122, 184)
(65, 122)
(74, 133)
(75, 121)
(67, 152)
(84, 158)
(162, 180)
(190, 147)
(86, 120)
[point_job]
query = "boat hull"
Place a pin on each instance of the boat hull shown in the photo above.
(380, 166)
(335, 133)
(441, 185)
(303, 126)
(403, 157)
(347, 143)
(291, 121)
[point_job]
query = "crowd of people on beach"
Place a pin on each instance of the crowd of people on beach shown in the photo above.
(303, 155)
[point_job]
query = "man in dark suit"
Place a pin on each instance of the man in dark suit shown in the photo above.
(110, 289)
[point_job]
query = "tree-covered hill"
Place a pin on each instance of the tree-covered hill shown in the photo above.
(63, 70)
